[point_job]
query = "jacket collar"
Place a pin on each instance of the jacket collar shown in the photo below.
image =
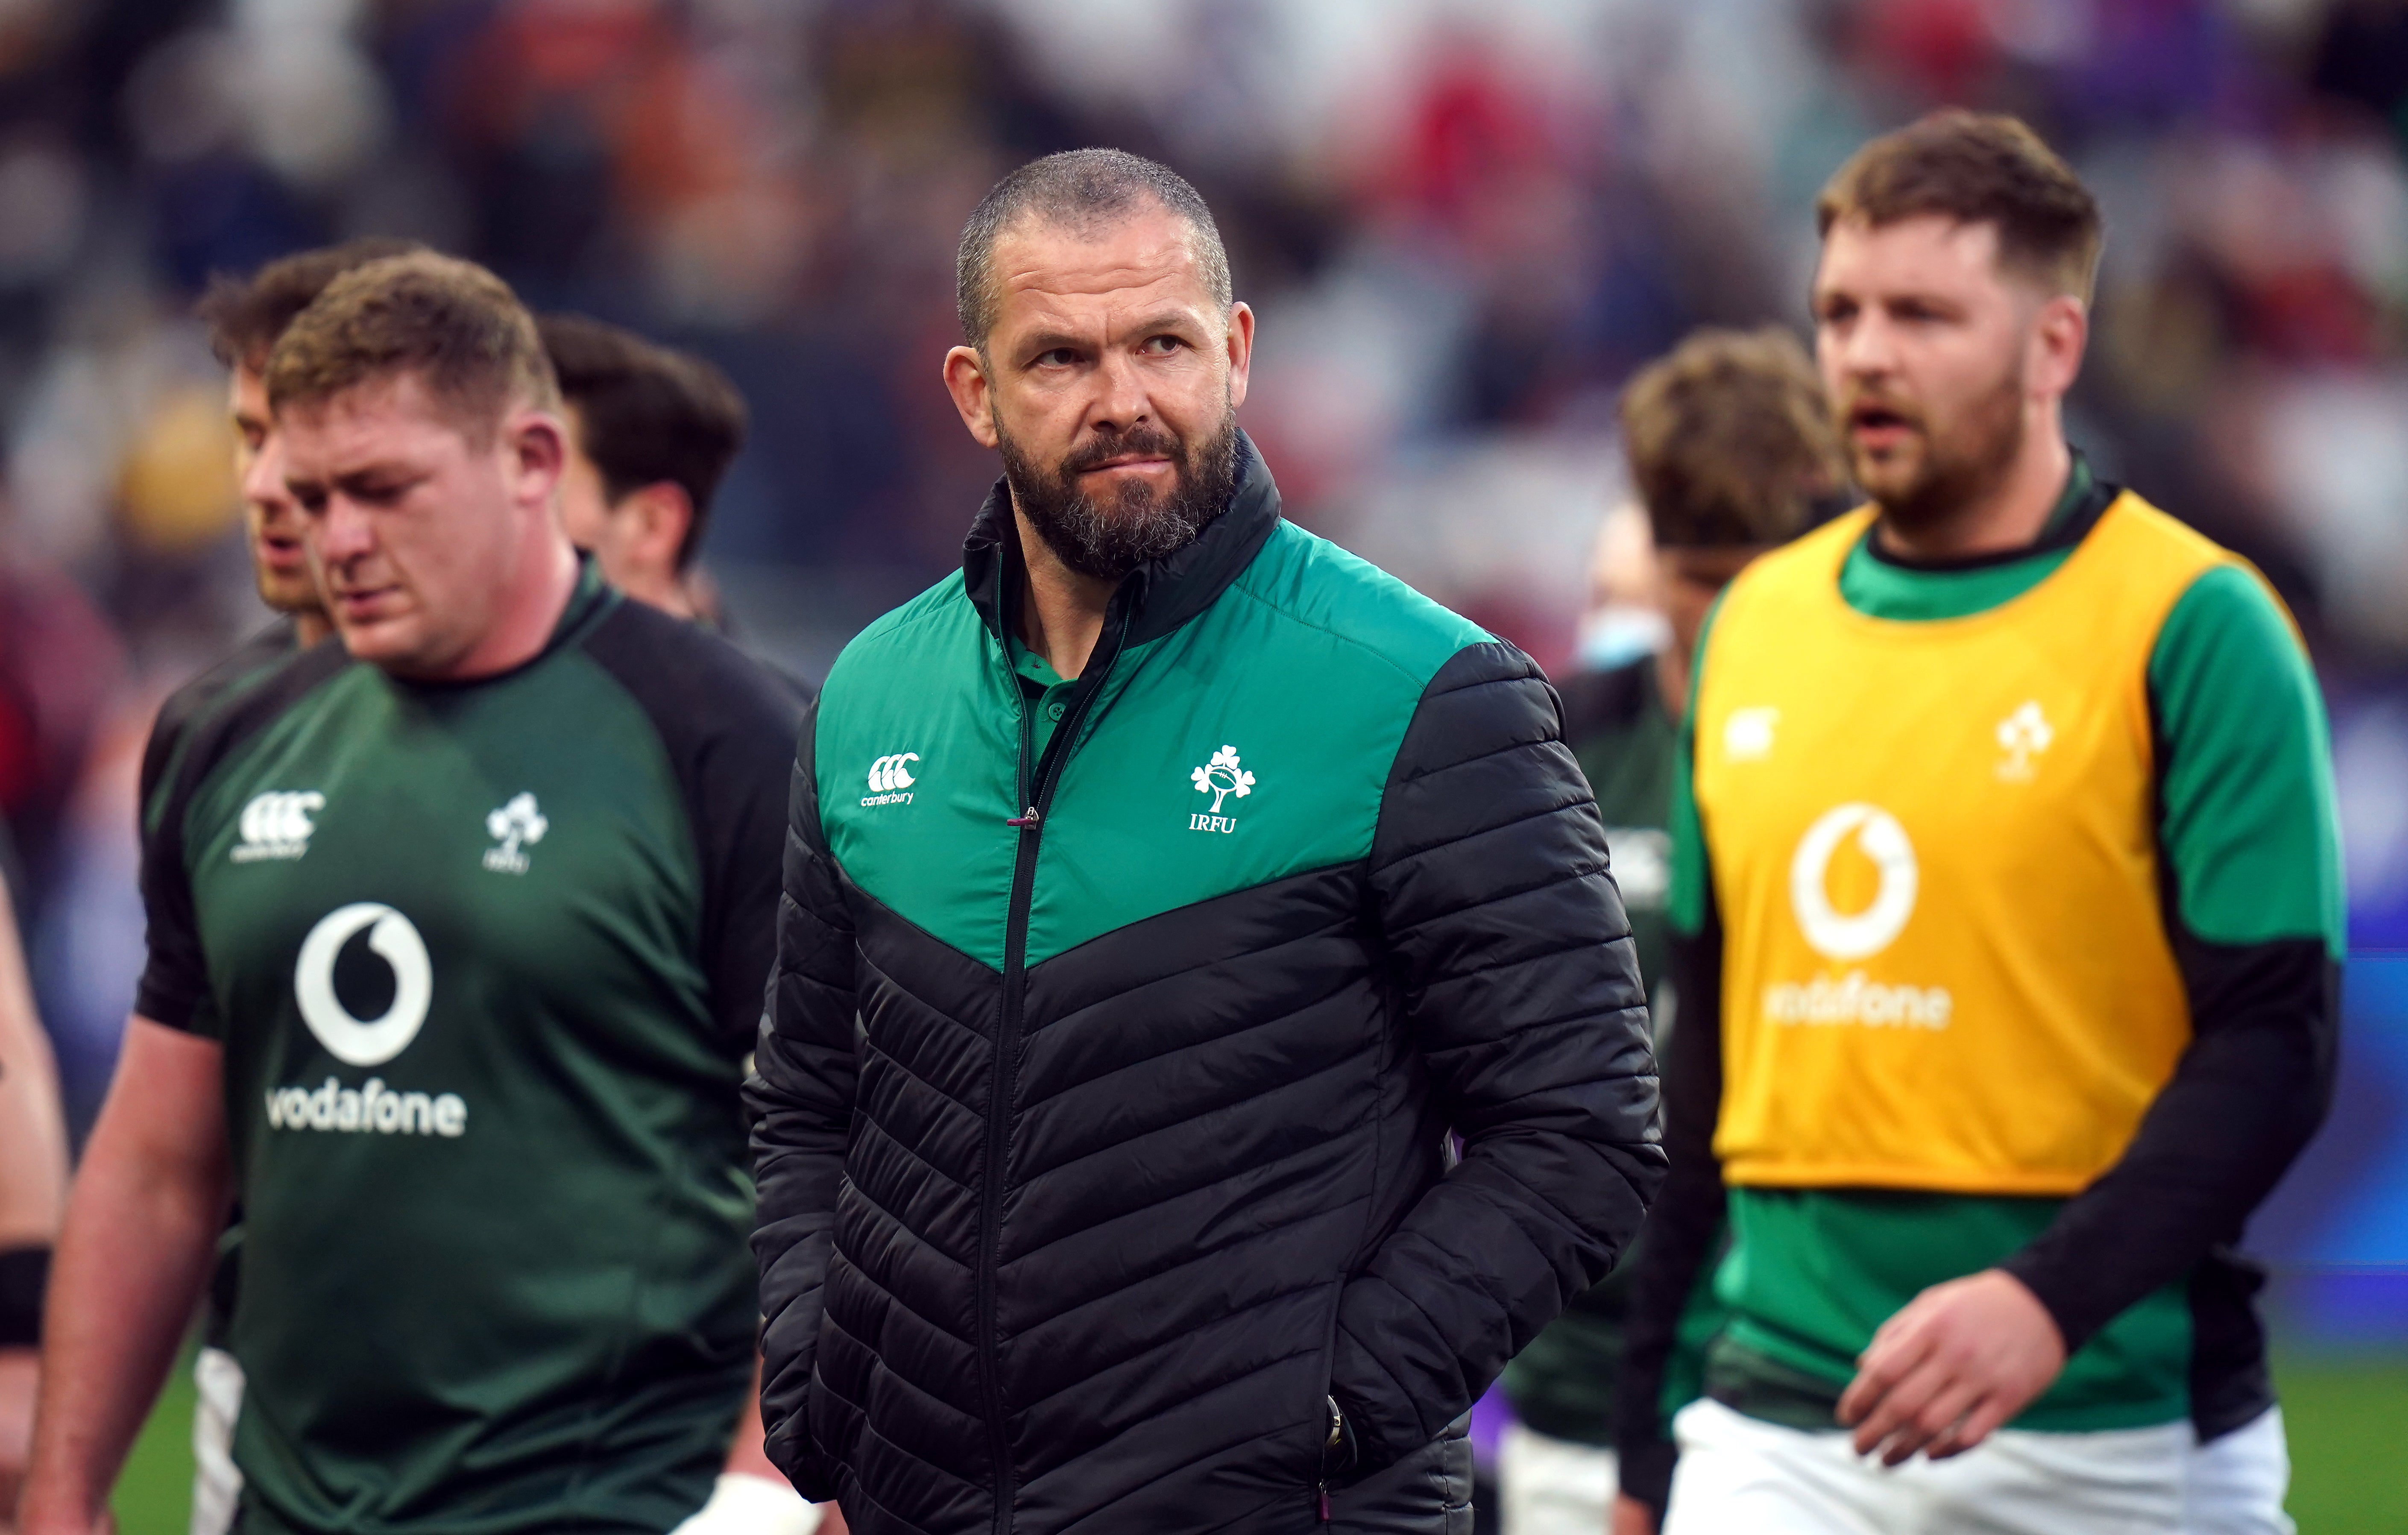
(1159, 595)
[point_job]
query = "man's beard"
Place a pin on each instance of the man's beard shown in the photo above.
(1955, 471)
(1109, 538)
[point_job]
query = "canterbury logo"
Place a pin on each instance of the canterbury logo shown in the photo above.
(891, 780)
(277, 825)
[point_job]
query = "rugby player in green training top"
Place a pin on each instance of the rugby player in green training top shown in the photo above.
(457, 936)
(1730, 446)
(2007, 913)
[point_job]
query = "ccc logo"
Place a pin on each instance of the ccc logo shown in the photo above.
(364, 1042)
(281, 817)
(888, 774)
(1881, 839)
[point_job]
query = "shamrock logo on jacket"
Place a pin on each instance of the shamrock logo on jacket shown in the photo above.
(1222, 777)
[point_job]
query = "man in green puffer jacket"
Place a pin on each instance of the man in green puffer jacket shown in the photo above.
(1205, 1041)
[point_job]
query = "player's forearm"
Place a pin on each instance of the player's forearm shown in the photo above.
(32, 1130)
(141, 1228)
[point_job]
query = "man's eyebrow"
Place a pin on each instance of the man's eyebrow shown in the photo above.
(383, 473)
(1177, 318)
(1047, 341)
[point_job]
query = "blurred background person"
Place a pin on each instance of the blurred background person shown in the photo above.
(244, 316)
(651, 433)
(1465, 228)
(1732, 450)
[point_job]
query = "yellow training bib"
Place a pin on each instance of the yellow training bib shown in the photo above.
(1933, 847)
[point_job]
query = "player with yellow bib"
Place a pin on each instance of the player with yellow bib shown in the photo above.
(2006, 856)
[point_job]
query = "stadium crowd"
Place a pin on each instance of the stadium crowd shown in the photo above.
(1464, 238)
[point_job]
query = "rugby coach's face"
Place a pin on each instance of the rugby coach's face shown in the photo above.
(1110, 368)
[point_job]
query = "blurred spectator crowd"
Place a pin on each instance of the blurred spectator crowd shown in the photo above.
(1463, 224)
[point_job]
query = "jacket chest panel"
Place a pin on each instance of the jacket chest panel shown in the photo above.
(1238, 751)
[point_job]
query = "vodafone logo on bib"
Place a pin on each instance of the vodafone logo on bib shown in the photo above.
(1878, 837)
(1845, 936)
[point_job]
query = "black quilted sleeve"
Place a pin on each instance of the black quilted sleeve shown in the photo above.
(801, 1095)
(1516, 973)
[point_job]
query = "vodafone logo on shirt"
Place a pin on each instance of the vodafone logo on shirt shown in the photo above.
(365, 1041)
(1845, 937)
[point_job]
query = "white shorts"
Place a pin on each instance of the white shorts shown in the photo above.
(1742, 1476)
(1553, 1486)
(217, 1486)
(2237, 1484)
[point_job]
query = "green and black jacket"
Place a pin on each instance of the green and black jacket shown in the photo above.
(1124, 1029)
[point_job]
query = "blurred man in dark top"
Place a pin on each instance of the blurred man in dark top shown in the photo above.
(653, 432)
(1730, 447)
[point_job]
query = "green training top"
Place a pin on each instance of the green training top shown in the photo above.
(484, 959)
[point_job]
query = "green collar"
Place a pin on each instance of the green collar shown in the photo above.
(1884, 585)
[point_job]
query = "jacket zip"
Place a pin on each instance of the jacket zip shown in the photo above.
(1037, 794)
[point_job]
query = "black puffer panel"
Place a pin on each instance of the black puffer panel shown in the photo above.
(1228, 1192)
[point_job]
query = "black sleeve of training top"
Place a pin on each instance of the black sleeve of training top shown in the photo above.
(2248, 1093)
(728, 727)
(1683, 1226)
(801, 1095)
(196, 728)
(2250, 889)
(1514, 970)
(189, 704)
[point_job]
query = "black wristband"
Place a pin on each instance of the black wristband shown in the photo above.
(25, 1275)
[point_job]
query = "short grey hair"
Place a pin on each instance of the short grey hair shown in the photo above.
(1085, 190)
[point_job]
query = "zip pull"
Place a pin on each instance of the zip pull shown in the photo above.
(1324, 1489)
(1023, 822)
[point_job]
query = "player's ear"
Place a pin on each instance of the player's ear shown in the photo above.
(662, 511)
(973, 392)
(1242, 351)
(2060, 333)
(538, 448)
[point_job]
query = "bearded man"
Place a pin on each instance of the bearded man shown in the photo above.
(1205, 1043)
(2006, 910)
